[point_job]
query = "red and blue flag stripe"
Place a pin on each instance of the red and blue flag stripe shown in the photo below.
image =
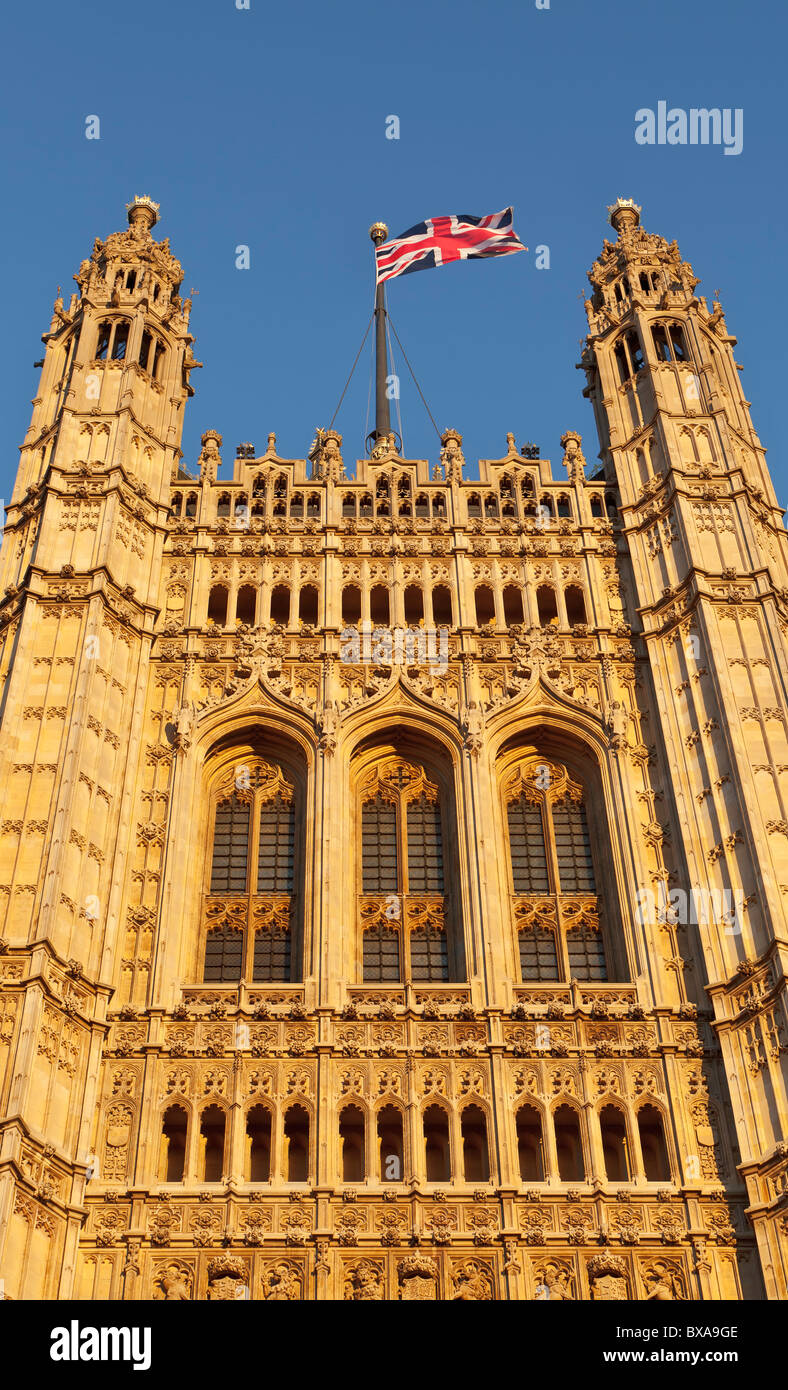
(441, 240)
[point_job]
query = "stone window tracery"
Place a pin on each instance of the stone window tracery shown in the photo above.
(402, 903)
(113, 337)
(669, 342)
(555, 903)
(249, 900)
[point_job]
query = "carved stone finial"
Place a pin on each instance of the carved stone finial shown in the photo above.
(325, 455)
(142, 212)
(210, 458)
(624, 214)
(452, 456)
(574, 461)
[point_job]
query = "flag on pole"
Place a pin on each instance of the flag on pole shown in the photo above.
(444, 239)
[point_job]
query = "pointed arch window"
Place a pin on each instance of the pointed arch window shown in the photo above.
(556, 908)
(250, 896)
(402, 902)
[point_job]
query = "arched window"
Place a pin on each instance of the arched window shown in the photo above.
(191, 505)
(212, 1127)
(103, 341)
(669, 342)
(491, 506)
(113, 339)
(351, 605)
(530, 1144)
(437, 1150)
(174, 1129)
(547, 606)
(442, 614)
(556, 908)
(422, 507)
(223, 506)
(151, 354)
(513, 605)
(402, 904)
(564, 506)
(349, 505)
(629, 356)
(258, 1144)
(656, 1163)
(217, 605)
(296, 1134)
(297, 506)
(280, 604)
(249, 904)
(474, 505)
(176, 503)
(365, 507)
(390, 1144)
(308, 599)
(568, 1144)
(352, 1141)
(241, 510)
(120, 341)
(475, 1153)
(379, 605)
(615, 1149)
(485, 605)
(313, 506)
(246, 604)
(439, 506)
(575, 604)
(414, 604)
(258, 486)
(596, 505)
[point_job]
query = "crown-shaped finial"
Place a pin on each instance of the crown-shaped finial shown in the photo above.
(144, 201)
(627, 206)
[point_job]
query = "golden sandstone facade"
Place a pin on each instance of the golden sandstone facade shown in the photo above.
(393, 876)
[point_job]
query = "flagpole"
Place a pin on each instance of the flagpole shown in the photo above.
(379, 232)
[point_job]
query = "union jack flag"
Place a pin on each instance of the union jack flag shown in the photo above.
(445, 239)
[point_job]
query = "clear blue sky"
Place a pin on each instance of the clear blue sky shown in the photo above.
(266, 127)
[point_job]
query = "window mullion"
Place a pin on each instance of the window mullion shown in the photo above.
(555, 888)
(251, 884)
(404, 886)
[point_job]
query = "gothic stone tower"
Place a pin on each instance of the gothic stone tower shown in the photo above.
(392, 866)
